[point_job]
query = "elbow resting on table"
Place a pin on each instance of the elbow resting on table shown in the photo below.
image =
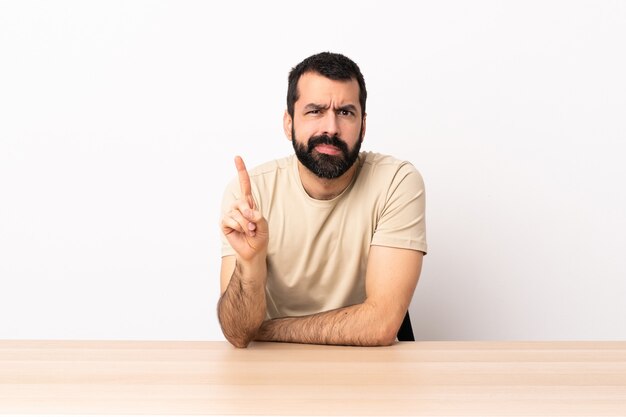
(382, 335)
(389, 340)
(386, 336)
(237, 333)
(384, 328)
(241, 340)
(239, 343)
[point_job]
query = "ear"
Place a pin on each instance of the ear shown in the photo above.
(363, 125)
(287, 124)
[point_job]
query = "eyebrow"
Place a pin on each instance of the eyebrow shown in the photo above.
(348, 107)
(314, 106)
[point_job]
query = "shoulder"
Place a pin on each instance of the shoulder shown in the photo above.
(389, 169)
(379, 161)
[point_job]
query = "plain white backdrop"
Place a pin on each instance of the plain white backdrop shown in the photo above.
(119, 122)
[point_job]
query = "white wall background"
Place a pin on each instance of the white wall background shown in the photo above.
(119, 121)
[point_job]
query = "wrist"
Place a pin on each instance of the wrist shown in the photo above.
(252, 270)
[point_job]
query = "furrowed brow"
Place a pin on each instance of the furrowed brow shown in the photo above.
(314, 106)
(348, 107)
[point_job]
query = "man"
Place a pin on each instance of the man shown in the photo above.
(325, 247)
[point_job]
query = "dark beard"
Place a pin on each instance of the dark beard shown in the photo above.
(323, 165)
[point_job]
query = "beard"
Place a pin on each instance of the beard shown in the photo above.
(324, 165)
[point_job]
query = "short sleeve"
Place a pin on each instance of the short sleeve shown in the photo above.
(402, 220)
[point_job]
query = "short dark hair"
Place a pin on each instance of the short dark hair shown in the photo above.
(330, 65)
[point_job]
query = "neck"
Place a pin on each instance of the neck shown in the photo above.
(322, 188)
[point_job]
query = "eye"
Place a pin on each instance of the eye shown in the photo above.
(346, 113)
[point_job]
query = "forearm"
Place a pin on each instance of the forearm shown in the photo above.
(242, 308)
(357, 325)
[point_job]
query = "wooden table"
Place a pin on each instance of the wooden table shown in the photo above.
(421, 378)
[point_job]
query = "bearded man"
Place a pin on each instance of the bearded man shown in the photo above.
(324, 246)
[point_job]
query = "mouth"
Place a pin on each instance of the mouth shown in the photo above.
(328, 149)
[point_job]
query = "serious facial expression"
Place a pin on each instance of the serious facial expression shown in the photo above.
(328, 116)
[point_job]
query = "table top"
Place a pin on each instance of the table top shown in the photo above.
(408, 378)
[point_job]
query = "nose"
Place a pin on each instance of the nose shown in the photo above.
(330, 125)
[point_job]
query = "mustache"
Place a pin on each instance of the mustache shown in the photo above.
(327, 140)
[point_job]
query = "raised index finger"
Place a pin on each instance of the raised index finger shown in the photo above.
(244, 181)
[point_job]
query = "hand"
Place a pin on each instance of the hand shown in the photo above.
(244, 226)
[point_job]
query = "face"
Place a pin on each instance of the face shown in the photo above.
(328, 126)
